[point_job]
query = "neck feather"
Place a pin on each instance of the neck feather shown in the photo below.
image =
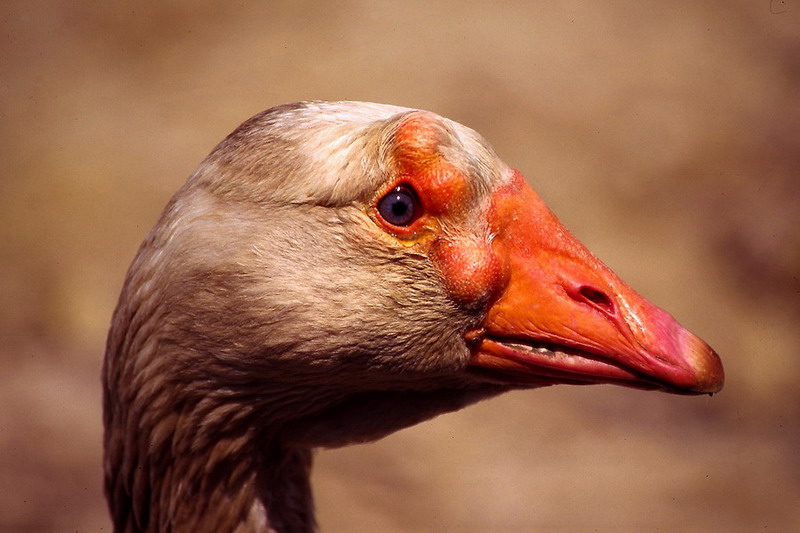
(205, 467)
(185, 453)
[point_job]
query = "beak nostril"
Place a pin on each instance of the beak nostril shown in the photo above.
(597, 299)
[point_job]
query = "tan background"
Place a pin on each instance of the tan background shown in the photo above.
(665, 134)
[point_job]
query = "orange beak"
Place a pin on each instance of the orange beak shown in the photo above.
(564, 317)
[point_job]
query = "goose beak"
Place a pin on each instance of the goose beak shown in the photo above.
(562, 316)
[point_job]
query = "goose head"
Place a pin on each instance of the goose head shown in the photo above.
(336, 271)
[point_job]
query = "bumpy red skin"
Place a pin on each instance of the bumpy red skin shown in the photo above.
(470, 269)
(539, 284)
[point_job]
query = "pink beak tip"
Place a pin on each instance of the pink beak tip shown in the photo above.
(707, 366)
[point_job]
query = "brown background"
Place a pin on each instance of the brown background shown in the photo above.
(665, 134)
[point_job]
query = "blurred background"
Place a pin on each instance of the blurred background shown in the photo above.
(666, 135)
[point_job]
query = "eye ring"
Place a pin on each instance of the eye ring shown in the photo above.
(400, 206)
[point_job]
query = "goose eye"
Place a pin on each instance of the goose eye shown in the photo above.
(400, 207)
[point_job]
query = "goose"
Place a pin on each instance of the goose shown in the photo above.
(334, 272)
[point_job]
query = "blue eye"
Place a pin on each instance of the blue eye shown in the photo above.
(400, 207)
